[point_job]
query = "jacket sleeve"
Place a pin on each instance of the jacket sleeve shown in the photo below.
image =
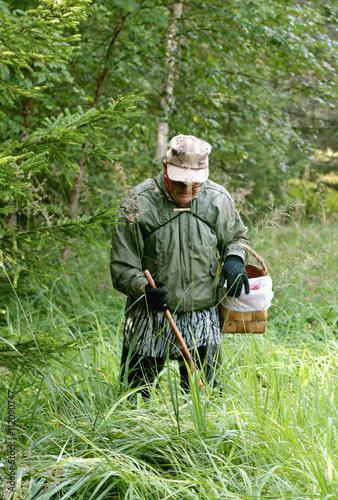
(127, 254)
(232, 232)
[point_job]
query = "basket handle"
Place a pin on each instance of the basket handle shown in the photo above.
(257, 257)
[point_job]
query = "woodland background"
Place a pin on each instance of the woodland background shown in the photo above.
(90, 92)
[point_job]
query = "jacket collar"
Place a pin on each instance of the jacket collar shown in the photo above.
(160, 181)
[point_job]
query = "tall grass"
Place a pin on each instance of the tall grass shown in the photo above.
(271, 433)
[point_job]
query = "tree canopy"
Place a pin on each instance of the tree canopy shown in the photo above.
(84, 84)
(243, 70)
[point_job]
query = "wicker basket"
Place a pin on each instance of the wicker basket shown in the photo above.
(251, 321)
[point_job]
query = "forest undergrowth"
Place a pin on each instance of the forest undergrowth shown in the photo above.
(271, 433)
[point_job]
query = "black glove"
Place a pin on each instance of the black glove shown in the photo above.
(234, 272)
(157, 297)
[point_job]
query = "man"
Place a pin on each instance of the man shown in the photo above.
(179, 226)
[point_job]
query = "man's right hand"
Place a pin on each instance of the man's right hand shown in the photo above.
(157, 298)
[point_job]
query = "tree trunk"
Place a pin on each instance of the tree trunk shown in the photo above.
(109, 55)
(168, 100)
(76, 191)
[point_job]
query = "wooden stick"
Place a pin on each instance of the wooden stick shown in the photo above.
(176, 331)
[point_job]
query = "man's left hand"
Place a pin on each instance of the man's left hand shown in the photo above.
(234, 272)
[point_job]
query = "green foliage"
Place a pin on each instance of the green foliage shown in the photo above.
(249, 78)
(35, 228)
(57, 144)
(35, 39)
(313, 197)
(265, 58)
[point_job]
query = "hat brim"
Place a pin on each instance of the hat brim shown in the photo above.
(186, 174)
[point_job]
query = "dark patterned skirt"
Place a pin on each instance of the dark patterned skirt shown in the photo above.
(148, 332)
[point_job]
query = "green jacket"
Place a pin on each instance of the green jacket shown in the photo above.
(182, 247)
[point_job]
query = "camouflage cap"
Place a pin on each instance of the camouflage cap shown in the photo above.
(187, 159)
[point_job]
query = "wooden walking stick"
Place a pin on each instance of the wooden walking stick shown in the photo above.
(176, 331)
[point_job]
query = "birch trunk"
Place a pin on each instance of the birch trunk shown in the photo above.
(168, 100)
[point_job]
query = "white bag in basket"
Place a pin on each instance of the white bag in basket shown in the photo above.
(259, 298)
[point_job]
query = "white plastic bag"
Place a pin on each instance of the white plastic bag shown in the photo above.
(259, 298)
